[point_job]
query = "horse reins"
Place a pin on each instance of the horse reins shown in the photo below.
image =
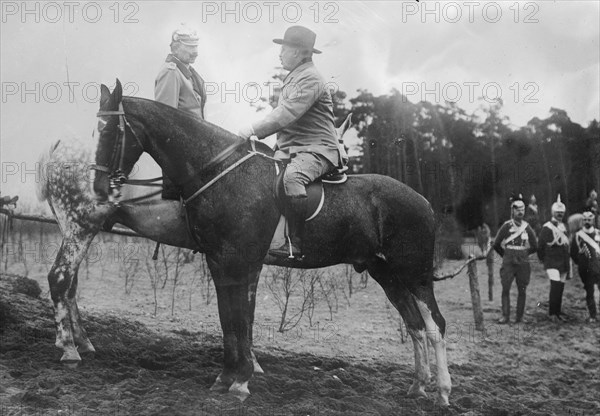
(118, 177)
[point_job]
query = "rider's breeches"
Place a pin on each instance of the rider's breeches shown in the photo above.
(509, 272)
(302, 170)
(556, 275)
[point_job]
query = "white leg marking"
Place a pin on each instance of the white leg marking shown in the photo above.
(240, 390)
(257, 368)
(422, 372)
(439, 343)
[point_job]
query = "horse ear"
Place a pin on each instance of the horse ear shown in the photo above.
(104, 95)
(118, 92)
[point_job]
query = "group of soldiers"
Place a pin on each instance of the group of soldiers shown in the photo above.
(516, 240)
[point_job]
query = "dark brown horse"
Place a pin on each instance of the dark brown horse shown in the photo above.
(373, 222)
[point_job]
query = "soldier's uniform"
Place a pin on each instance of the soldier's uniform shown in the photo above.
(585, 252)
(553, 252)
(180, 86)
(514, 243)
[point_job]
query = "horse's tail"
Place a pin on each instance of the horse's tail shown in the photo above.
(42, 172)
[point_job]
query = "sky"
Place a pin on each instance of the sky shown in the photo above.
(54, 55)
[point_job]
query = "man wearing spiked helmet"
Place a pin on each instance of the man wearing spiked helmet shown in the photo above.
(514, 242)
(585, 252)
(179, 85)
(553, 252)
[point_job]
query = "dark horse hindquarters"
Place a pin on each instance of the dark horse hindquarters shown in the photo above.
(373, 222)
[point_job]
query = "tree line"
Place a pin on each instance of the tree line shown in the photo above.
(468, 165)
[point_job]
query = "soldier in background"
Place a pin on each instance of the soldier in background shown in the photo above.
(553, 251)
(514, 242)
(591, 205)
(585, 252)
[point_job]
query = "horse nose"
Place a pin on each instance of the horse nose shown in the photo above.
(100, 187)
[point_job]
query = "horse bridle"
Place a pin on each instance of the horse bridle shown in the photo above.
(117, 177)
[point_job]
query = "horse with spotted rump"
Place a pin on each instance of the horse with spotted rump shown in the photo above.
(372, 221)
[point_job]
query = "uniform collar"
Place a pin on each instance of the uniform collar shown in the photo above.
(185, 69)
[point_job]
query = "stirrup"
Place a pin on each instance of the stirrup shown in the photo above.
(287, 251)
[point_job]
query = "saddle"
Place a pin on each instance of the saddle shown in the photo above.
(314, 191)
(315, 199)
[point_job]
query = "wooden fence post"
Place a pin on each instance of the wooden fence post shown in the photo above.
(489, 261)
(475, 297)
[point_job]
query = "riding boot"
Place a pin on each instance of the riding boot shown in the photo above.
(296, 230)
(554, 302)
(559, 295)
(589, 299)
(521, 297)
(295, 214)
(505, 308)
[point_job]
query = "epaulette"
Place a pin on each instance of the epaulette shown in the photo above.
(171, 65)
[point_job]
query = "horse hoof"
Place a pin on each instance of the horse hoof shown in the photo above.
(70, 357)
(258, 369)
(85, 347)
(416, 391)
(71, 365)
(443, 401)
(219, 387)
(240, 390)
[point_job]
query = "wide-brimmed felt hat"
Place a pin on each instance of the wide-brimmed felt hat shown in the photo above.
(299, 37)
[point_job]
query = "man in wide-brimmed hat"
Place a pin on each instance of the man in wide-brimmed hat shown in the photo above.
(304, 123)
(179, 85)
(514, 242)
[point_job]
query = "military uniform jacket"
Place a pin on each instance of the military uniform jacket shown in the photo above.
(585, 254)
(180, 86)
(303, 118)
(514, 246)
(553, 248)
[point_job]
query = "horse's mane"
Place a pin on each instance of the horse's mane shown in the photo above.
(202, 125)
(172, 111)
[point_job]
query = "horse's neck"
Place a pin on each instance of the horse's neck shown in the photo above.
(180, 145)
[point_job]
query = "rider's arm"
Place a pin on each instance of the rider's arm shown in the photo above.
(297, 97)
